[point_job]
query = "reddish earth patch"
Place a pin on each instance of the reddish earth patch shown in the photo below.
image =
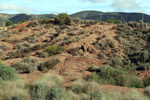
(143, 74)
(18, 27)
(34, 76)
(70, 67)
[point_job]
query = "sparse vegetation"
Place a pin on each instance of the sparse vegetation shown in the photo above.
(95, 55)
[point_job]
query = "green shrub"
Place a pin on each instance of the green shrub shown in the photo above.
(44, 54)
(91, 87)
(114, 21)
(9, 23)
(94, 68)
(147, 82)
(110, 43)
(94, 77)
(95, 96)
(101, 56)
(131, 80)
(74, 51)
(52, 79)
(147, 91)
(29, 60)
(134, 95)
(110, 75)
(16, 97)
(7, 73)
(78, 86)
(33, 24)
(48, 65)
(21, 67)
(25, 67)
(1, 80)
(38, 91)
(4, 47)
(57, 93)
(144, 55)
(114, 76)
(52, 50)
(116, 62)
(63, 18)
(28, 65)
(45, 21)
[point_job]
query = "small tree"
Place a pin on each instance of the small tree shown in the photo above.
(63, 18)
(9, 23)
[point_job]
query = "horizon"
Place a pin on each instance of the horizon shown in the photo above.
(70, 7)
(72, 13)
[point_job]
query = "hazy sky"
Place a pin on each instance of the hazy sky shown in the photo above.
(72, 6)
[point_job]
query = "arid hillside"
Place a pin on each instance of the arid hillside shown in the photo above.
(115, 56)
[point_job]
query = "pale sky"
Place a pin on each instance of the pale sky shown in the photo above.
(73, 6)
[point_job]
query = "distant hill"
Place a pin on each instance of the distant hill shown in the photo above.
(95, 15)
(20, 17)
(89, 15)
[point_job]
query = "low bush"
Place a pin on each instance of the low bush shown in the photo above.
(113, 76)
(87, 90)
(48, 65)
(44, 54)
(4, 47)
(57, 93)
(53, 50)
(94, 77)
(28, 65)
(144, 56)
(146, 82)
(9, 23)
(147, 91)
(95, 96)
(134, 95)
(63, 18)
(114, 21)
(21, 67)
(45, 21)
(38, 91)
(33, 24)
(51, 80)
(94, 68)
(78, 86)
(7, 73)
(116, 62)
(16, 97)
(74, 51)
(91, 87)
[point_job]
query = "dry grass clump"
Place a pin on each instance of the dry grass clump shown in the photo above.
(8, 89)
(51, 80)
